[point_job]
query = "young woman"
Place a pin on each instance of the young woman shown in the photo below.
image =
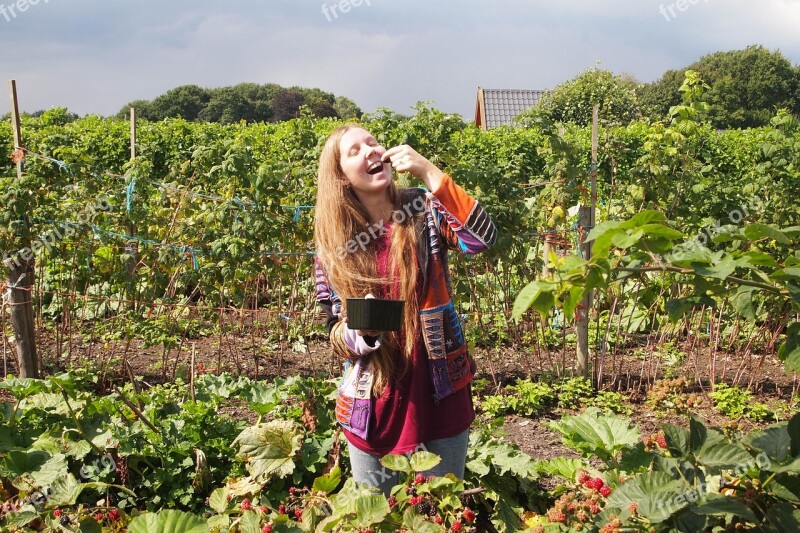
(409, 390)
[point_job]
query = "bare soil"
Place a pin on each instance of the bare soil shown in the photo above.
(253, 356)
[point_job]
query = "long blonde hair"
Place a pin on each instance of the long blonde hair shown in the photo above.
(340, 216)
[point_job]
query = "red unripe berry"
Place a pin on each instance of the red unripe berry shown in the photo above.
(420, 478)
(246, 505)
(264, 509)
(298, 513)
(633, 508)
(281, 509)
(99, 517)
(267, 529)
(292, 490)
(456, 526)
(438, 520)
(57, 513)
(583, 477)
(469, 514)
(113, 515)
(661, 440)
(594, 509)
(605, 491)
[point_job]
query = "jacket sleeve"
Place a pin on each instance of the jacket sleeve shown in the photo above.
(346, 342)
(461, 221)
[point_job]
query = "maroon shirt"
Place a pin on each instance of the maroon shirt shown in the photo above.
(405, 415)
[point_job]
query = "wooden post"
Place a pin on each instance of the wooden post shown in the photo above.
(21, 275)
(130, 247)
(133, 133)
(585, 224)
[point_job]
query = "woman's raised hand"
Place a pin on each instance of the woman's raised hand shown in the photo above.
(406, 159)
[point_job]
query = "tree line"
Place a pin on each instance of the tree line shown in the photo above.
(251, 102)
(744, 89)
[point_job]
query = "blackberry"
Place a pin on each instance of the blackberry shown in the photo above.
(424, 508)
(413, 491)
(432, 512)
(64, 520)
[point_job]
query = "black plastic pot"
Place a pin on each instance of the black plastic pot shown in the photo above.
(374, 314)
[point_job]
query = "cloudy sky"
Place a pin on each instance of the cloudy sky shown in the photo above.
(93, 56)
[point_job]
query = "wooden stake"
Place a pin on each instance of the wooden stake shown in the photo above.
(21, 275)
(586, 223)
(133, 133)
(191, 372)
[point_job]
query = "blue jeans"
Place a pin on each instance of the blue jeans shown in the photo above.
(367, 468)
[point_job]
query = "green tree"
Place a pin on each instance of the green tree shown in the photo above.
(182, 102)
(747, 87)
(227, 105)
(142, 107)
(573, 100)
(346, 109)
(286, 105)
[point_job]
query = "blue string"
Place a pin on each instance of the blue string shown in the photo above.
(129, 194)
(190, 251)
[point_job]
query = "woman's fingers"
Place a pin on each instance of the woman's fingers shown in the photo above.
(406, 159)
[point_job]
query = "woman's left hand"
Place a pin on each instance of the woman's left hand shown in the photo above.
(406, 159)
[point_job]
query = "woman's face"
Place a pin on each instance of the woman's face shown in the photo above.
(361, 161)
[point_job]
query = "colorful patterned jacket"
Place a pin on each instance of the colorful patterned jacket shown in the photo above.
(451, 219)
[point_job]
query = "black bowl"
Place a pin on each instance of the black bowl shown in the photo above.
(374, 314)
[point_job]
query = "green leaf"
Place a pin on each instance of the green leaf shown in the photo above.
(20, 518)
(372, 509)
(327, 483)
(663, 232)
(657, 495)
(249, 523)
(219, 500)
(602, 228)
(720, 456)
(721, 269)
(596, 433)
(743, 302)
(757, 231)
(561, 466)
(269, 449)
(626, 240)
(789, 352)
(717, 504)
(168, 521)
(397, 463)
(423, 461)
(537, 294)
(572, 299)
(506, 516)
(415, 522)
(774, 441)
(784, 517)
(644, 218)
(678, 440)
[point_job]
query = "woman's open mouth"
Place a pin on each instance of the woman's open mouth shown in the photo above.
(375, 168)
